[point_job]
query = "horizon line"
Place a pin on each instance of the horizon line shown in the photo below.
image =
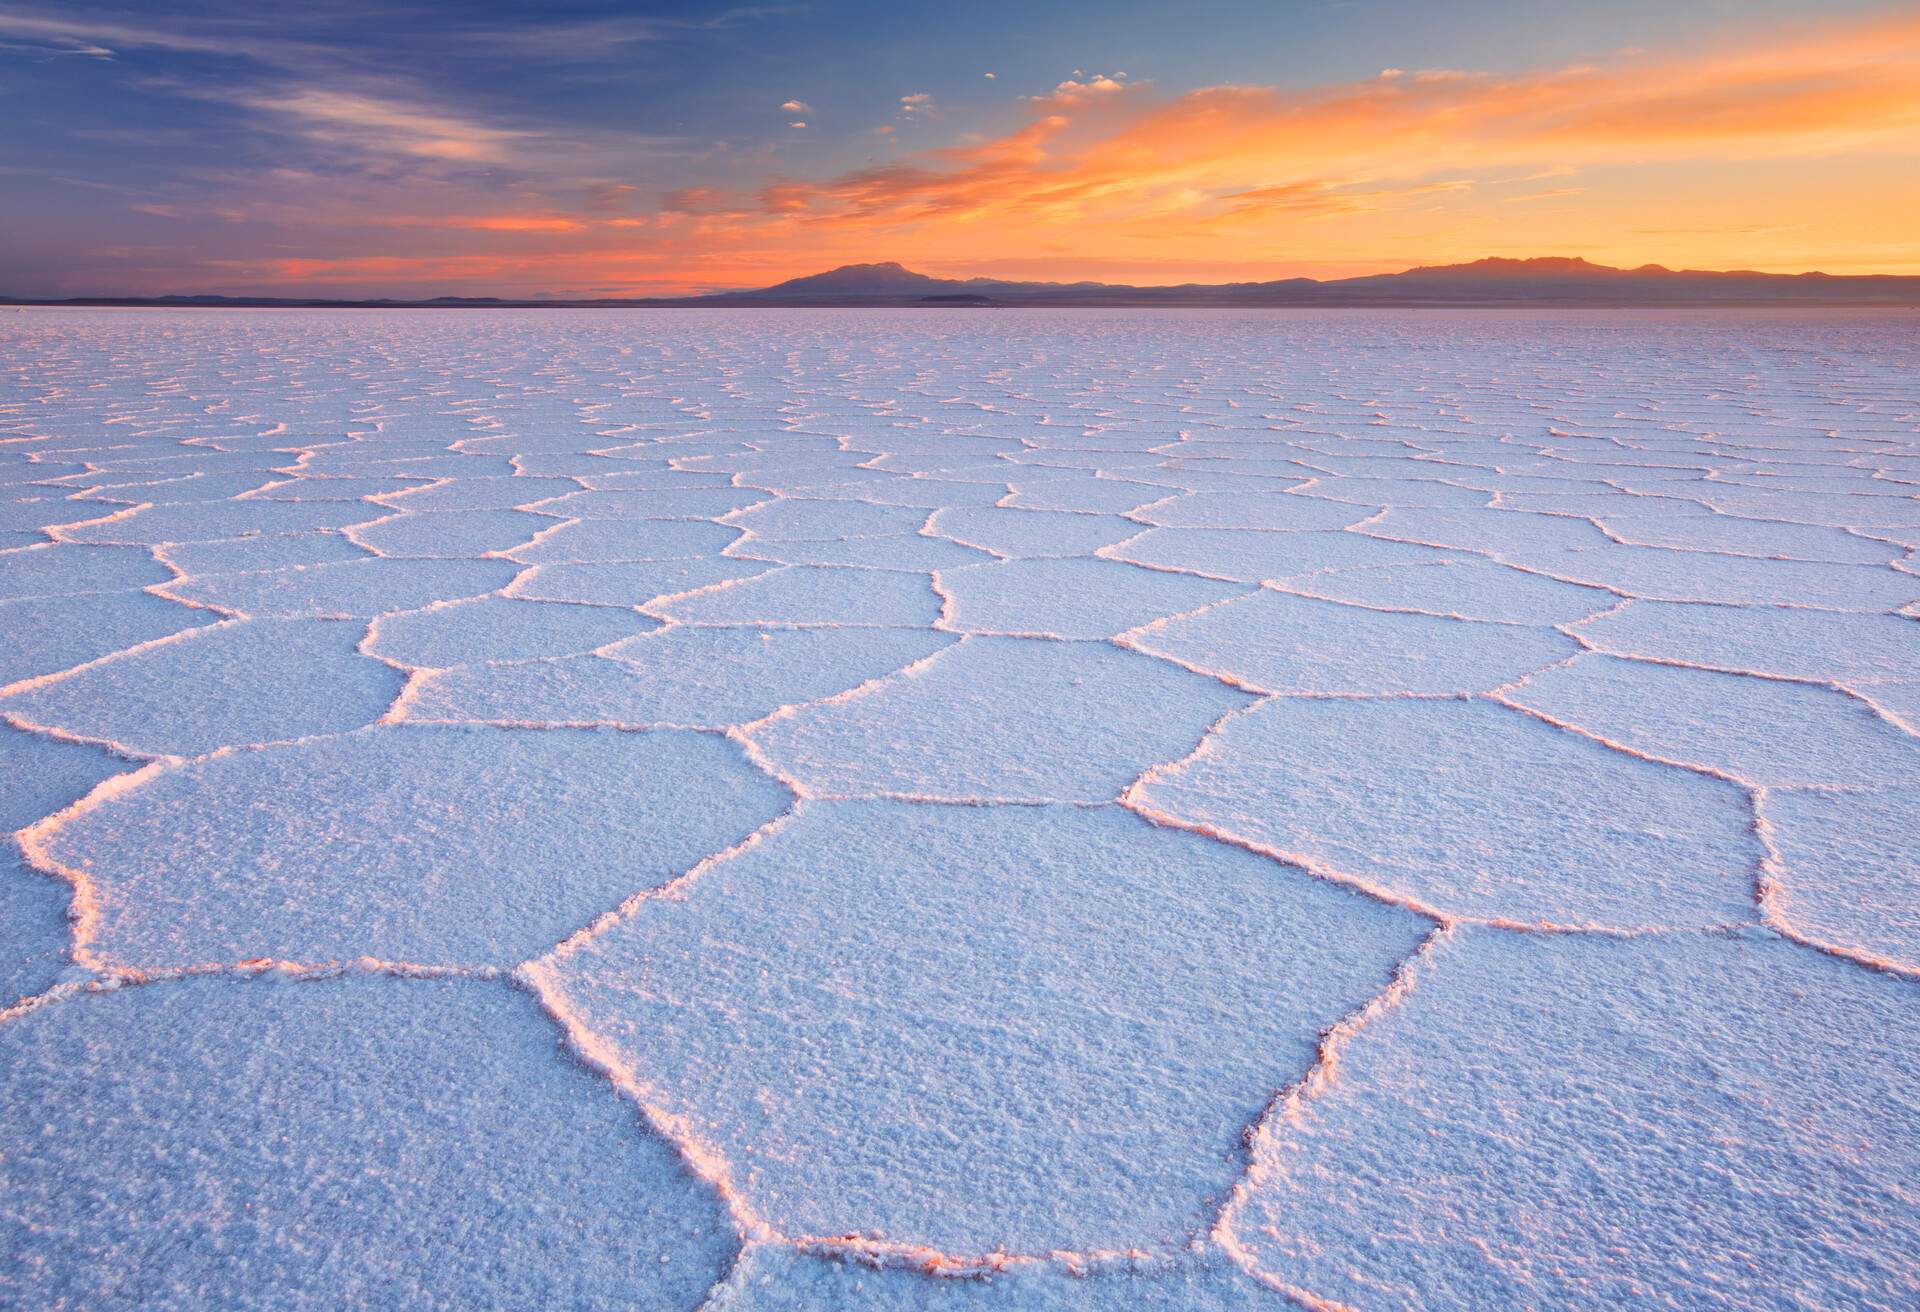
(1568, 265)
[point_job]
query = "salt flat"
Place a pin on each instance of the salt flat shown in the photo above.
(975, 809)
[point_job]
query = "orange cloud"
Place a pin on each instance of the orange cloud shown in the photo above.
(531, 223)
(1797, 151)
(1214, 150)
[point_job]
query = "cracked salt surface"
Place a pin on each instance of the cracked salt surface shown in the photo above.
(793, 810)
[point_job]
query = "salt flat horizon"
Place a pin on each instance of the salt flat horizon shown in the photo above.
(1055, 809)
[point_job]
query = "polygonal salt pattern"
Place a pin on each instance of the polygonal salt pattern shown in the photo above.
(1579, 1121)
(1070, 598)
(499, 630)
(288, 1143)
(760, 1011)
(992, 718)
(1778, 641)
(1847, 868)
(1765, 732)
(45, 635)
(177, 697)
(710, 678)
(435, 845)
(653, 668)
(43, 775)
(1275, 642)
(354, 589)
(1471, 809)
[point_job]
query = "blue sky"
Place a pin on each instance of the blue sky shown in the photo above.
(204, 145)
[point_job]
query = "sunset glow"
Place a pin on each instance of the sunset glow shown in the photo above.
(569, 154)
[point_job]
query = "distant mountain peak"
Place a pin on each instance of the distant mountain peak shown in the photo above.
(1557, 266)
(890, 277)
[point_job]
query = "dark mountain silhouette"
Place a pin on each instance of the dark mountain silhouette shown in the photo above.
(1492, 283)
(858, 280)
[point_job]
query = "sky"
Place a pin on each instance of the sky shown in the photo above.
(591, 149)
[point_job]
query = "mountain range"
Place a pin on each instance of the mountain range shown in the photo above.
(1490, 283)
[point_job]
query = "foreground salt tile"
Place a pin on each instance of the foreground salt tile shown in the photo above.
(587, 540)
(1251, 556)
(1776, 640)
(927, 494)
(1091, 496)
(1394, 492)
(214, 521)
(807, 594)
(1472, 809)
(355, 1142)
(33, 926)
(63, 568)
(1019, 534)
(1277, 642)
(630, 582)
(1846, 867)
(913, 552)
(1464, 589)
(1274, 511)
(47, 634)
(1657, 574)
(481, 494)
(41, 776)
(333, 487)
(979, 1028)
(1761, 731)
(1684, 1121)
(1836, 509)
(1517, 537)
(450, 534)
(776, 1278)
(360, 588)
(1071, 598)
(488, 629)
(1006, 718)
(1748, 537)
(676, 503)
(246, 681)
(405, 843)
(808, 519)
(277, 551)
(682, 675)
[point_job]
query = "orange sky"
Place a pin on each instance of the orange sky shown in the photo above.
(1783, 150)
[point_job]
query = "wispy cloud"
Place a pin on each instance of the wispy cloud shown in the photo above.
(1552, 193)
(1098, 149)
(381, 125)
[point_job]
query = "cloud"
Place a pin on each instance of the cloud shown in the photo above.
(1094, 85)
(703, 200)
(380, 125)
(1555, 193)
(511, 223)
(1104, 173)
(1326, 197)
(600, 39)
(796, 107)
(1093, 154)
